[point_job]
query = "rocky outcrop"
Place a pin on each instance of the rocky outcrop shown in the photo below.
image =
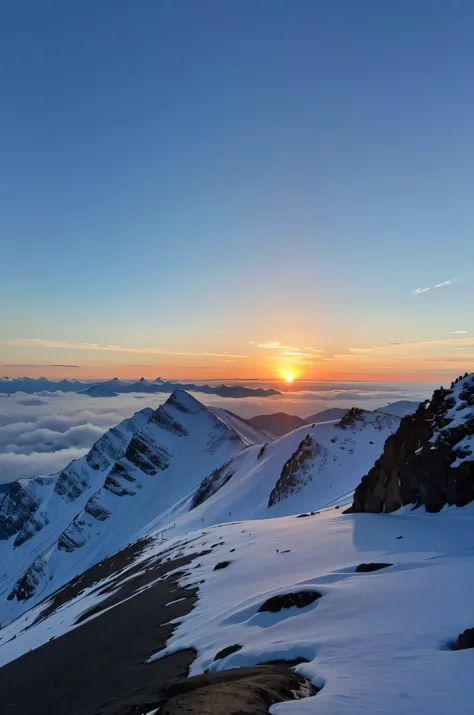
(296, 472)
(227, 651)
(299, 599)
(464, 640)
(368, 568)
(429, 460)
(16, 509)
(212, 483)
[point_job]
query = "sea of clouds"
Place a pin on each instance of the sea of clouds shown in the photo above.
(41, 434)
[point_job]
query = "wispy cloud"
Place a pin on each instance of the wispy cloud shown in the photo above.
(29, 365)
(417, 291)
(293, 360)
(273, 345)
(314, 350)
(445, 283)
(298, 354)
(62, 345)
(459, 332)
(406, 348)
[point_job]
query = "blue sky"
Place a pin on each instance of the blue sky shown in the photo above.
(204, 177)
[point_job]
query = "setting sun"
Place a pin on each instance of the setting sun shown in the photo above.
(289, 378)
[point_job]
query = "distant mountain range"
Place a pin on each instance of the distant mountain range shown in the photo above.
(111, 388)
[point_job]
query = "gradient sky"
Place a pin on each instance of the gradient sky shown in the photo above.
(199, 183)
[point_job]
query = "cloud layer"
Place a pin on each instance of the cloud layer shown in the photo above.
(41, 434)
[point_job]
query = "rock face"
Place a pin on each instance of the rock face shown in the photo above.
(296, 472)
(464, 640)
(429, 460)
(299, 599)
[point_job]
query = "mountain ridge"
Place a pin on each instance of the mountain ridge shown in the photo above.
(99, 389)
(80, 515)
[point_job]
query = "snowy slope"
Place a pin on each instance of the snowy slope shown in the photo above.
(97, 506)
(244, 428)
(373, 642)
(307, 469)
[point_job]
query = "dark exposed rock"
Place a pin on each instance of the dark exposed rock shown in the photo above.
(67, 541)
(26, 585)
(222, 565)
(162, 418)
(35, 524)
(16, 508)
(261, 451)
(212, 483)
(296, 471)
(146, 455)
(95, 509)
(289, 663)
(227, 651)
(350, 419)
(418, 465)
(464, 640)
(237, 691)
(300, 599)
(366, 568)
(114, 485)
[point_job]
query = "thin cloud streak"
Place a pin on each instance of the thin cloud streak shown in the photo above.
(273, 345)
(23, 364)
(62, 345)
(418, 291)
(301, 355)
(397, 349)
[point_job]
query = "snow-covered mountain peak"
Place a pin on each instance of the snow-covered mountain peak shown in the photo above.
(184, 402)
(134, 474)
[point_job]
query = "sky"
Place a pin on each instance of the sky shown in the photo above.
(206, 189)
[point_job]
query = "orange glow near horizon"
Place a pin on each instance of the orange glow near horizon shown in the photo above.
(437, 360)
(335, 370)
